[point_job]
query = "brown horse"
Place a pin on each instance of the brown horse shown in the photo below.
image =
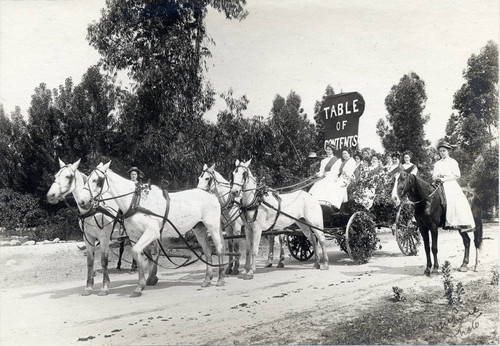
(418, 191)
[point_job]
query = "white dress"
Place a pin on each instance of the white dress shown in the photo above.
(458, 212)
(333, 187)
(413, 171)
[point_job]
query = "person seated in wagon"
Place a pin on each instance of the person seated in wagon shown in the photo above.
(446, 172)
(395, 166)
(407, 165)
(333, 187)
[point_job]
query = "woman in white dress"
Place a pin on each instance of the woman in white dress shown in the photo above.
(333, 187)
(446, 170)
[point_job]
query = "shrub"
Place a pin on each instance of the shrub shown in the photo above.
(398, 294)
(453, 294)
(362, 238)
(20, 211)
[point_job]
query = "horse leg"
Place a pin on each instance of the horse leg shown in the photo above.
(153, 252)
(254, 251)
(201, 235)
(138, 252)
(236, 264)
(89, 249)
(230, 249)
(270, 255)
(466, 241)
(425, 237)
(248, 252)
(478, 240)
(122, 248)
(320, 236)
(282, 251)
(434, 235)
(104, 264)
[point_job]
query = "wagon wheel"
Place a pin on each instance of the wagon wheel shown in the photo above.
(360, 237)
(407, 235)
(300, 247)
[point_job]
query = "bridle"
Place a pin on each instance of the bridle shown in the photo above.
(105, 181)
(71, 187)
(213, 181)
(246, 178)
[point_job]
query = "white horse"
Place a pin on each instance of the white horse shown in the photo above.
(212, 181)
(144, 214)
(95, 225)
(263, 211)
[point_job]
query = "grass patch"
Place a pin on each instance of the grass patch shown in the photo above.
(424, 319)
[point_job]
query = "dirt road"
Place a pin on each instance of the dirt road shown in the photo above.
(40, 301)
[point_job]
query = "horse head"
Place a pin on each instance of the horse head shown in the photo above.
(64, 182)
(240, 177)
(95, 185)
(401, 186)
(207, 178)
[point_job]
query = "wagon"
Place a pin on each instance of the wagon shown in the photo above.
(355, 232)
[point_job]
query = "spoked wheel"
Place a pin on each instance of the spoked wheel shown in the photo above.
(360, 237)
(407, 235)
(300, 247)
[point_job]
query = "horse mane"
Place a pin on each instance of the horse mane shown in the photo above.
(424, 187)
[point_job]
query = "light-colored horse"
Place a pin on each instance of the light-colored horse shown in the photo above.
(263, 211)
(212, 181)
(95, 226)
(191, 209)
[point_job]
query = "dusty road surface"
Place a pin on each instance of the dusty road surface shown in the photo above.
(41, 303)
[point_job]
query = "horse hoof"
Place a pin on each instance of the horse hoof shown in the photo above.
(476, 268)
(228, 271)
(206, 284)
(220, 283)
(248, 277)
(435, 270)
(268, 265)
(235, 271)
(135, 294)
(463, 268)
(241, 275)
(316, 266)
(324, 267)
(103, 293)
(427, 272)
(87, 292)
(280, 265)
(152, 282)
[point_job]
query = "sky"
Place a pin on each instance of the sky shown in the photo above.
(282, 46)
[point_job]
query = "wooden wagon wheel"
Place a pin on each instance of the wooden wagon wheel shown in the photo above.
(360, 237)
(300, 247)
(407, 235)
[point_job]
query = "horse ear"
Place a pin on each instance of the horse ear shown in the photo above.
(237, 162)
(76, 164)
(212, 168)
(61, 163)
(248, 163)
(106, 166)
(205, 167)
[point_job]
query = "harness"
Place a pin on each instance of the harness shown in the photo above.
(136, 208)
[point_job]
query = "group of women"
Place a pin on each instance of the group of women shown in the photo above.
(338, 173)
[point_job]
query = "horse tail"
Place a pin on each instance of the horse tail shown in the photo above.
(477, 213)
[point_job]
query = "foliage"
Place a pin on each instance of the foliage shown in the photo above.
(453, 294)
(318, 118)
(19, 210)
(494, 278)
(362, 238)
(398, 294)
(403, 128)
(473, 127)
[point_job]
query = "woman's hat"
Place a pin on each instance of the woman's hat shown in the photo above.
(135, 169)
(444, 144)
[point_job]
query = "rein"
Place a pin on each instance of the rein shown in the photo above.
(423, 199)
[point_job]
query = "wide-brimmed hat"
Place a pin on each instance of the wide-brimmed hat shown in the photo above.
(312, 155)
(135, 169)
(444, 144)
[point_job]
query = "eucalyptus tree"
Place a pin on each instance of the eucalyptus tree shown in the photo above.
(164, 47)
(403, 128)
